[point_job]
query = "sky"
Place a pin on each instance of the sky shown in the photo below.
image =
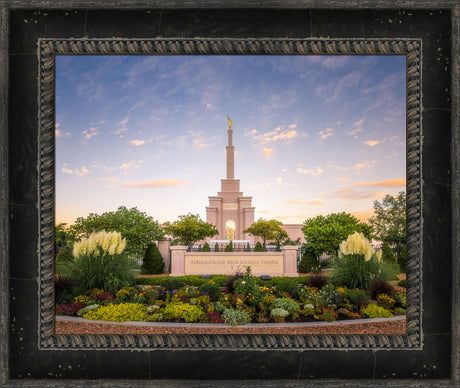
(312, 134)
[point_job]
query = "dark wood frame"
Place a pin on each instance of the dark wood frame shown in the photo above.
(428, 355)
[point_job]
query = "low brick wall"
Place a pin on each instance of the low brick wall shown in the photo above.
(282, 263)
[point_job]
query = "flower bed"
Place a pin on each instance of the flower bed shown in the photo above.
(244, 299)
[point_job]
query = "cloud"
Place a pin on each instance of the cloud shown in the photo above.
(292, 126)
(89, 133)
(157, 183)
(316, 171)
(399, 182)
(199, 143)
(61, 134)
(130, 164)
(363, 215)
(78, 171)
(359, 166)
(273, 136)
(298, 201)
(122, 127)
(353, 194)
(372, 143)
(267, 152)
(137, 142)
(326, 133)
(358, 127)
(336, 87)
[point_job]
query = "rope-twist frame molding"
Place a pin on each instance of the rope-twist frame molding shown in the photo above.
(49, 48)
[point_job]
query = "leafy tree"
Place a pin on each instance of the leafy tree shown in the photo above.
(61, 237)
(153, 261)
(64, 255)
(139, 229)
(189, 229)
(267, 230)
(325, 233)
(389, 220)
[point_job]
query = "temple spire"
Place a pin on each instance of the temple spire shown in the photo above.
(230, 152)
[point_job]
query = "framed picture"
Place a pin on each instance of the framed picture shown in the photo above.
(36, 43)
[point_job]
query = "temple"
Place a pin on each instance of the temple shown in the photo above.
(230, 211)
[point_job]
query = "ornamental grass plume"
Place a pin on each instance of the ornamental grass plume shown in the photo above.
(99, 262)
(358, 264)
(357, 244)
(100, 244)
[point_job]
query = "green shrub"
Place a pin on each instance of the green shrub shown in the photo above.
(402, 283)
(258, 247)
(374, 311)
(399, 311)
(229, 247)
(102, 272)
(236, 317)
(287, 304)
(216, 247)
(99, 262)
(118, 312)
(173, 283)
(279, 314)
(317, 281)
(153, 261)
(219, 279)
(353, 271)
(308, 262)
(402, 259)
(192, 280)
(357, 297)
(84, 310)
(64, 289)
(178, 311)
(247, 248)
(64, 255)
(230, 282)
(283, 285)
(380, 286)
(210, 288)
(155, 281)
(206, 248)
(387, 254)
(248, 287)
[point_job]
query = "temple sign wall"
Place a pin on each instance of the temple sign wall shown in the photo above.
(228, 263)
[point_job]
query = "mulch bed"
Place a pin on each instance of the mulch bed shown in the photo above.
(396, 327)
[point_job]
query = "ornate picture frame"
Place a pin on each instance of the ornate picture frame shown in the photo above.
(35, 352)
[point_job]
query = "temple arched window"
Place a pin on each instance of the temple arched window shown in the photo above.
(230, 228)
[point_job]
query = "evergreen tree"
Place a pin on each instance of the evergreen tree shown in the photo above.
(229, 247)
(402, 259)
(259, 247)
(153, 261)
(387, 254)
(206, 248)
(247, 248)
(216, 247)
(309, 262)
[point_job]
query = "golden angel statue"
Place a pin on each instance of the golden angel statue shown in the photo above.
(229, 122)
